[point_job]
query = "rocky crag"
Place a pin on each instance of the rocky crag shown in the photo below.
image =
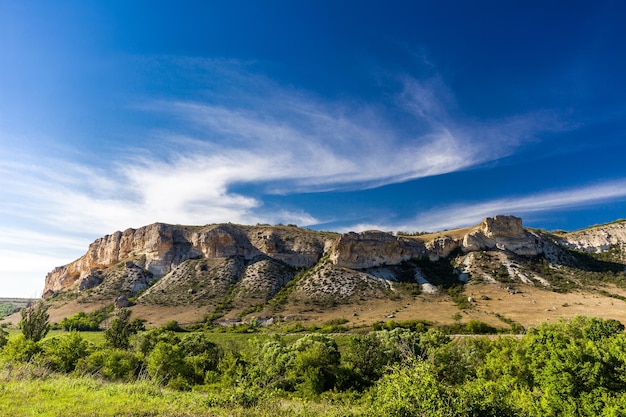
(235, 268)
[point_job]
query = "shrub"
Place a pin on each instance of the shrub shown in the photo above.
(146, 341)
(63, 352)
(4, 337)
(166, 361)
(20, 349)
(121, 328)
(270, 363)
(478, 327)
(173, 326)
(34, 323)
(363, 362)
(82, 322)
(111, 364)
(410, 391)
(399, 344)
(315, 364)
(201, 355)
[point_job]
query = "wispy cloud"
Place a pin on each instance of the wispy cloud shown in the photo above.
(248, 133)
(279, 140)
(468, 214)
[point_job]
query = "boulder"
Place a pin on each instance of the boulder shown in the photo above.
(121, 302)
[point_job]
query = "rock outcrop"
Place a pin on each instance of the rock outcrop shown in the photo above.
(234, 270)
(201, 265)
(503, 233)
(596, 239)
(374, 248)
(442, 247)
(160, 248)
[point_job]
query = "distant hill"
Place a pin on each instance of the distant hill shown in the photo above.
(9, 306)
(497, 271)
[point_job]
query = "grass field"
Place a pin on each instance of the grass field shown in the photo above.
(75, 396)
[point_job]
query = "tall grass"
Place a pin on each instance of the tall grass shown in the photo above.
(36, 393)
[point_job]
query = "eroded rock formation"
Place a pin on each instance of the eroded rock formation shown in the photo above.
(207, 260)
(374, 248)
(504, 233)
(160, 248)
(596, 239)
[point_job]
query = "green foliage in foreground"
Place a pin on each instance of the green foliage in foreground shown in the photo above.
(34, 323)
(569, 368)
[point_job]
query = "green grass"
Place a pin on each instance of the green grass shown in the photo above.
(79, 396)
(74, 396)
(96, 338)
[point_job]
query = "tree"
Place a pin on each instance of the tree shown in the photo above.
(167, 361)
(365, 361)
(4, 337)
(83, 322)
(118, 334)
(270, 363)
(315, 364)
(201, 355)
(410, 389)
(34, 323)
(62, 353)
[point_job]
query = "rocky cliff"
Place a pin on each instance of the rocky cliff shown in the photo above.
(229, 267)
(374, 248)
(596, 239)
(160, 248)
(504, 233)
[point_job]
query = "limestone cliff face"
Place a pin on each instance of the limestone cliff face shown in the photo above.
(155, 243)
(442, 247)
(159, 248)
(504, 233)
(596, 239)
(131, 259)
(223, 241)
(374, 248)
(296, 247)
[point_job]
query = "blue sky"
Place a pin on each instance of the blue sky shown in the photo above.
(334, 115)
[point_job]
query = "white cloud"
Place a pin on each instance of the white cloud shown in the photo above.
(469, 214)
(252, 133)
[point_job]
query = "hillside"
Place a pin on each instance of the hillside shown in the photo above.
(498, 272)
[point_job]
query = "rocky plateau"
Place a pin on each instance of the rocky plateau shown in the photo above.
(228, 270)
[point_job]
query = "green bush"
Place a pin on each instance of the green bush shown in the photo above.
(270, 363)
(364, 361)
(147, 340)
(20, 349)
(296, 327)
(81, 322)
(167, 361)
(399, 345)
(410, 390)
(173, 326)
(315, 364)
(62, 353)
(121, 328)
(7, 309)
(4, 337)
(478, 327)
(201, 355)
(34, 323)
(111, 364)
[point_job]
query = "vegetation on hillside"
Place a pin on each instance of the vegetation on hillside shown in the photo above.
(570, 367)
(7, 308)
